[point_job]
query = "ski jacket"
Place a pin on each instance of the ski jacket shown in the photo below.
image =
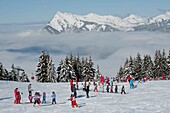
(53, 96)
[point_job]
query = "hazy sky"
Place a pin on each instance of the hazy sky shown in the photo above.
(21, 11)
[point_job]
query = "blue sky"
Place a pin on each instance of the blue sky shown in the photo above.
(25, 11)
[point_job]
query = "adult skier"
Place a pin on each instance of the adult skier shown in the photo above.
(30, 93)
(87, 91)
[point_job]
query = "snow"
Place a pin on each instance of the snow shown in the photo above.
(161, 17)
(149, 97)
(61, 21)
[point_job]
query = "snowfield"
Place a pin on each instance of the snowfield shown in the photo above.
(149, 97)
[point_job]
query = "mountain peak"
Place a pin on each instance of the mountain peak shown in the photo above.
(67, 22)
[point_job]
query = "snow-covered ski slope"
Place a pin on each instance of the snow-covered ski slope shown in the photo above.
(149, 97)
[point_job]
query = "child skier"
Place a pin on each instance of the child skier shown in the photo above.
(95, 88)
(73, 101)
(53, 97)
(111, 89)
(107, 88)
(123, 90)
(116, 89)
(44, 98)
(37, 98)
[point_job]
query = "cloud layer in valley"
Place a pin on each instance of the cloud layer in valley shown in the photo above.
(23, 46)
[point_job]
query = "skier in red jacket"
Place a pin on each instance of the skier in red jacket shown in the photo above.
(17, 96)
(163, 76)
(71, 85)
(73, 101)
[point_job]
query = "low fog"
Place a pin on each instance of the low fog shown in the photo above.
(22, 44)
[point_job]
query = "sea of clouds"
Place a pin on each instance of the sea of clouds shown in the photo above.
(22, 44)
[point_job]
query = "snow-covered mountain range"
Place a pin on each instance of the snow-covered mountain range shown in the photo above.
(66, 22)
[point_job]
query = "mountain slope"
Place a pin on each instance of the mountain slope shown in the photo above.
(149, 97)
(66, 22)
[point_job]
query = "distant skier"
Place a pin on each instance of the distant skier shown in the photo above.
(163, 76)
(131, 84)
(107, 88)
(128, 78)
(44, 98)
(71, 85)
(87, 91)
(111, 89)
(123, 90)
(116, 89)
(37, 98)
(30, 93)
(53, 97)
(73, 101)
(17, 96)
(95, 88)
(74, 90)
(77, 86)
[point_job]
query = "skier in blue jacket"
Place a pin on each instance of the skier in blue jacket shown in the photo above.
(53, 97)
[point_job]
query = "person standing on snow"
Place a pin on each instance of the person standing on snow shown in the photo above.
(123, 90)
(17, 96)
(37, 98)
(111, 89)
(44, 98)
(30, 93)
(87, 91)
(53, 97)
(74, 90)
(107, 88)
(77, 86)
(73, 101)
(116, 89)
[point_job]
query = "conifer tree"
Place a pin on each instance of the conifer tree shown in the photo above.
(51, 72)
(91, 68)
(121, 73)
(24, 77)
(97, 73)
(44, 72)
(3, 73)
(138, 67)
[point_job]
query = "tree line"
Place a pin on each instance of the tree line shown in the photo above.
(139, 67)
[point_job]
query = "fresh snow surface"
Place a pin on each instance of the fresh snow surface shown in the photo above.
(149, 97)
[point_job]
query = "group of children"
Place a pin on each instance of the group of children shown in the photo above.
(36, 97)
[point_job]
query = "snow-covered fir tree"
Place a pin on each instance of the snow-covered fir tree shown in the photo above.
(3, 73)
(44, 71)
(91, 68)
(73, 67)
(97, 73)
(147, 66)
(160, 64)
(66, 71)
(17, 74)
(51, 72)
(24, 77)
(138, 67)
(121, 73)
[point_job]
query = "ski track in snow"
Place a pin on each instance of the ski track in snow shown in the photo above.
(149, 97)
